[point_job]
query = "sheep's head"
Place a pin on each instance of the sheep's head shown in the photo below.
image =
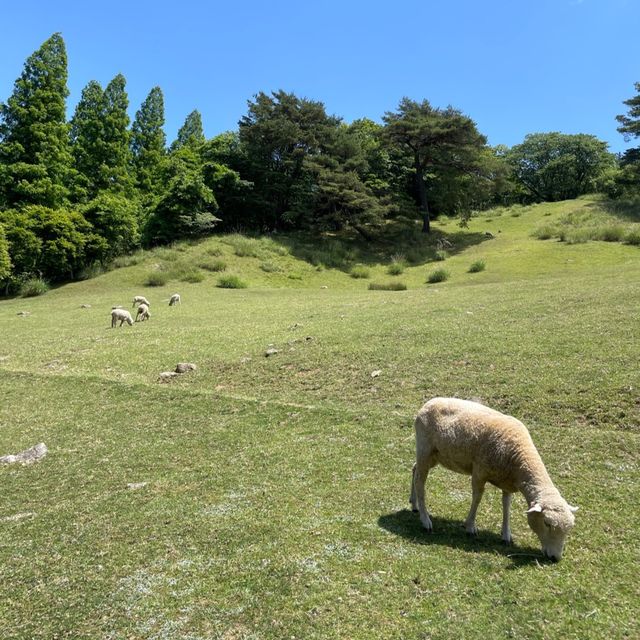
(552, 520)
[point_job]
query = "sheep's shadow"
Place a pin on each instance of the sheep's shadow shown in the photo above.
(451, 533)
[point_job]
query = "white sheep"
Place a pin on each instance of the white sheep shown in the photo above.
(143, 313)
(470, 438)
(120, 314)
(175, 299)
(138, 300)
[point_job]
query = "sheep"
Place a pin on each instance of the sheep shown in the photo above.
(138, 300)
(175, 299)
(120, 314)
(143, 313)
(472, 439)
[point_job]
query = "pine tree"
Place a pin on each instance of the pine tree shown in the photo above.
(115, 173)
(87, 138)
(35, 159)
(148, 142)
(190, 133)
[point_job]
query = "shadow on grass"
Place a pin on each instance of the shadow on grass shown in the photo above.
(398, 240)
(626, 208)
(451, 533)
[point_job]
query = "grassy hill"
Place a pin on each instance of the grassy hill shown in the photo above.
(276, 496)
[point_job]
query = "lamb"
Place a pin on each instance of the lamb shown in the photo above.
(143, 313)
(138, 300)
(120, 314)
(470, 438)
(175, 299)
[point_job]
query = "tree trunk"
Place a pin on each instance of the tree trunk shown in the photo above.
(424, 202)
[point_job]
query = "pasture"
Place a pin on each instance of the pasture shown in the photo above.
(276, 495)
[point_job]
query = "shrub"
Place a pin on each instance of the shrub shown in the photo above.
(439, 275)
(213, 265)
(633, 237)
(611, 233)
(192, 276)
(294, 276)
(93, 270)
(157, 279)
(395, 269)
(359, 272)
(269, 267)
(441, 255)
(127, 261)
(388, 286)
(477, 266)
(33, 287)
(231, 282)
(546, 232)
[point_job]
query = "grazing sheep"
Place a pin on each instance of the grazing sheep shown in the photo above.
(120, 314)
(143, 313)
(175, 299)
(470, 438)
(138, 300)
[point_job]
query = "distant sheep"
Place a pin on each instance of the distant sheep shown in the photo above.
(470, 438)
(138, 300)
(120, 314)
(175, 299)
(143, 313)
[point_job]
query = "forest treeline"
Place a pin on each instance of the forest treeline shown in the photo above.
(80, 192)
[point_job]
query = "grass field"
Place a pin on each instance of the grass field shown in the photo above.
(276, 496)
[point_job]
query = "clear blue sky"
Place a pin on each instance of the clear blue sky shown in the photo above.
(514, 66)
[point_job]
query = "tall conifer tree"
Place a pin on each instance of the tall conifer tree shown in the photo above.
(35, 159)
(190, 133)
(148, 141)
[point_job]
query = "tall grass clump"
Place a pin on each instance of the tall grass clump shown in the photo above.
(92, 270)
(231, 282)
(387, 286)
(477, 266)
(156, 279)
(270, 267)
(441, 255)
(127, 261)
(438, 275)
(244, 247)
(359, 271)
(633, 237)
(212, 265)
(33, 287)
(214, 251)
(397, 265)
(610, 233)
(545, 232)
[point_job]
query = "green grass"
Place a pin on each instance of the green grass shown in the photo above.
(387, 286)
(231, 282)
(477, 266)
(437, 275)
(33, 287)
(276, 502)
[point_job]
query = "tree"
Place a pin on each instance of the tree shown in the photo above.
(5, 260)
(630, 123)
(115, 169)
(436, 140)
(190, 133)
(148, 142)
(87, 140)
(628, 178)
(35, 160)
(557, 166)
(187, 206)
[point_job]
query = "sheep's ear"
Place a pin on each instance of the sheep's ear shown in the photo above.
(573, 509)
(535, 508)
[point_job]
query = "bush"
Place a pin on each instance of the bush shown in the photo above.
(441, 255)
(633, 237)
(439, 275)
(388, 286)
(192, 276)
(33, 287)
(269, 267)
(395, 269)
(231, 282)
(359, 272)
(611, 233)
(477, 266)
(213, 265)
(157, 279)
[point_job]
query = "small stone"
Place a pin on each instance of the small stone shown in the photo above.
(183, 367)
(85, 306)
(324, 286)
(23, 314)
(136, 485)
(376, 373)
(167, 376)
(270, 352)
(29, 456)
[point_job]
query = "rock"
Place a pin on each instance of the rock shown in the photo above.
(23, 314)
(376, 373)
(488, 234)
(136, 485)
(17, 517)
(324, 286)
(118, 306)
(183, 367)
(167, 376)
(28, 456)
(85, 306)
(271, 351)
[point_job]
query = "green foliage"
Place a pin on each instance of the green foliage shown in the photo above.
(35, 160)
(440, 255)
(33, 287)
(359, 271)
(190, 133)
(556, 166)
(5, 260)
(148, 142)
(395, 268)
(270, 267)
(156, 279)
(438, 275)
(231, 282)
(630, 123)
(477, 266)
(212, 265)
(387, 286)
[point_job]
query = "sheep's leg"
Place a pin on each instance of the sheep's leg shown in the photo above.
(506, 508)
(477, 489)
(420, 473)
